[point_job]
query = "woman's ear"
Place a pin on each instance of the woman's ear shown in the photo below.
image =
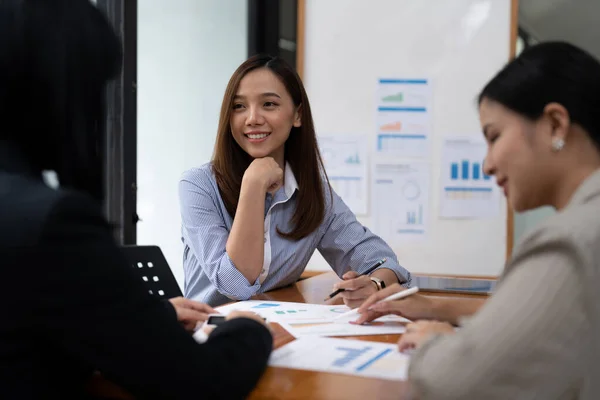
(560, 121)
(298, 117)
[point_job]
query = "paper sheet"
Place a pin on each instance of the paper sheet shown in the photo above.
(346, 163)
(403, 117)
(301, 319)
(352, 357)
(401, 201)
(388, 325)
(466, 191)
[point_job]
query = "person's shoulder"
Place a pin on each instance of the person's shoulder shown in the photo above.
(74, 213)
(199, 185)
(25, 203)
(576, 227)
(200, 176)
(580, 222)
(31, 210)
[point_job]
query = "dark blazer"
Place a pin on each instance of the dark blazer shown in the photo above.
(69, 305)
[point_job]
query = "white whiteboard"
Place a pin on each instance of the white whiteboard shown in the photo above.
(459, 45)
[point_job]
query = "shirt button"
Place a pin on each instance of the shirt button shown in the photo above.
(263, 271)
(265, 239)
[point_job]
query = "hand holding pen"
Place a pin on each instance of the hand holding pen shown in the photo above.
(356, 287)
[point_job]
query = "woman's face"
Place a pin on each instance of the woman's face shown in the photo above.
(263, 115)
(519, 155)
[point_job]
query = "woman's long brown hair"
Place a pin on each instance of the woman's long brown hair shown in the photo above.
(230, 161)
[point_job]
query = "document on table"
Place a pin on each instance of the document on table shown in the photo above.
(301, 319)
(343, 356)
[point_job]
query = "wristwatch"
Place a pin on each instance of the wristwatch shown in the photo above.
(378, 282)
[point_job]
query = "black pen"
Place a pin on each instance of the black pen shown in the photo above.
(367, 272)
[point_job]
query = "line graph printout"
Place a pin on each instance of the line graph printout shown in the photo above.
(403, 117)
(346, 162)
(343, 356)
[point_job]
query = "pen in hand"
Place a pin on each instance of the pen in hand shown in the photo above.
(367, 272)
(395, 296)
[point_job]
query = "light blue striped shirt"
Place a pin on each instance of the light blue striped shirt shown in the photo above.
(210, 275)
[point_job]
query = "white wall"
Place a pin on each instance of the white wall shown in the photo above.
(187, 50)
(460, 45)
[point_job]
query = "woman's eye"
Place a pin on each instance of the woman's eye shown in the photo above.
(270, 104)
(237, 106)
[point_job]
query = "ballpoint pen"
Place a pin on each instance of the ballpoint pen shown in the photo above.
(367, 272)
(395, 296)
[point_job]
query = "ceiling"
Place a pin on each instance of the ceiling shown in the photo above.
(574, 21)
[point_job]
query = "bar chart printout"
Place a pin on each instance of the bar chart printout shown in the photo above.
(352, 357)
(467, 192)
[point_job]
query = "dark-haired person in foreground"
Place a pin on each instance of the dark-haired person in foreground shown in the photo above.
(69, 302)
(538, 335)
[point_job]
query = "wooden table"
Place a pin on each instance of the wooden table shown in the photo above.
(283, 383)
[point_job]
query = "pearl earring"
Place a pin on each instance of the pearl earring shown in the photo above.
(558, 144)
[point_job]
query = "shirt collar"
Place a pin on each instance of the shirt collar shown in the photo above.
(290, 183)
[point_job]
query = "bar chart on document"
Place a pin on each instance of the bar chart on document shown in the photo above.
(346, 163)
(353, 357)
(403, 117)
(401, 200)
(467, 192)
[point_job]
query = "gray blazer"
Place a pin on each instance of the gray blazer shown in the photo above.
(538, 336)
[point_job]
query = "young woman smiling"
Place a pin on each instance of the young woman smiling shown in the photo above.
(253, 217)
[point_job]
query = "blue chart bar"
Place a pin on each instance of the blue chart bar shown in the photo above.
(412, 218)
(407, 109)
(465, 170)
(476, 170)
(372, 360)
(389, 141)
(468, 189)
(266, 305)
(454, 171)
(404, 81)
(351, 355)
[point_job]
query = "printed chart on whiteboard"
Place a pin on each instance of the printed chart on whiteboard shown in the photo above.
(467, 192)
(345, 159)
(403, 117)
(401, 201)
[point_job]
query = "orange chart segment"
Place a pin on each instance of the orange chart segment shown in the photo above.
(391, 127)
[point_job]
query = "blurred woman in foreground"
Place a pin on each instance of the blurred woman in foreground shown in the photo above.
(538, 335)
